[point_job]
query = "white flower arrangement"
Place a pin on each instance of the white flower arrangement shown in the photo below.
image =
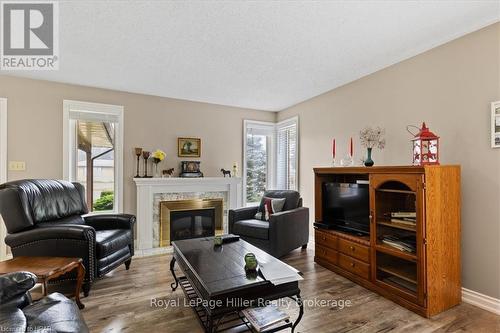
(372, 137)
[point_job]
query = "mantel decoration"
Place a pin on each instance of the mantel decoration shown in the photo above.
(425, 146)
(372, 138)
(138, 153)
(189, 147)
(236, 171)
(190, 169)
(157, 156)
(145, 156)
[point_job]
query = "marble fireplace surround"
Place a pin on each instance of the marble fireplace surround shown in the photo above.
(151, 191)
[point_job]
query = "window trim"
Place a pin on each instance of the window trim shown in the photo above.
(271, 155)
(284, 123)
(3, 169)
(69, 142)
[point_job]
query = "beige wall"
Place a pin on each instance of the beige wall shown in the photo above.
(35, 135)
(450, 87)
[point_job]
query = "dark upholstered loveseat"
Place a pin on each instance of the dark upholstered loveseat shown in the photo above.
(285, 230)
(47, 218)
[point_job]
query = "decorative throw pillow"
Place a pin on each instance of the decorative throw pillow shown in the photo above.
(269, 206)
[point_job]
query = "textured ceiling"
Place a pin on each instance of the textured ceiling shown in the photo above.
(254, 54)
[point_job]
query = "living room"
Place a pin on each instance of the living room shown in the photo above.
(180, 166)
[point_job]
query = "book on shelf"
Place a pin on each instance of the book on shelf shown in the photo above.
(262, 318)
(407, 221)
(404, 214)
(404, 244)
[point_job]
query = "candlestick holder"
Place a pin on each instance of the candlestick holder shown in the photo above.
(145, 156)
(138, 153)
(347, 161)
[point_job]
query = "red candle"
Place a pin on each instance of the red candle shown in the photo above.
(334, 147)
(351, 148)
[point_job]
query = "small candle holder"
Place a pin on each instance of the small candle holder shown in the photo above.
(347, 161)
(145, 156)
(138, 153)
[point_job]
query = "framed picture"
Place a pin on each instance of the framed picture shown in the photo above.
(495, 124)
(188, 147)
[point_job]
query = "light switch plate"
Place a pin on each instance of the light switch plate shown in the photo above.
(17, 166)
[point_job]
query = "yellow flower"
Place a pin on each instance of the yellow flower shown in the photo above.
(159, 155)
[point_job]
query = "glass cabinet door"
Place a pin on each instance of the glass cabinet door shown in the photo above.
(398, 234)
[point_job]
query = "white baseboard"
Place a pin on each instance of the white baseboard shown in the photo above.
(482, 301)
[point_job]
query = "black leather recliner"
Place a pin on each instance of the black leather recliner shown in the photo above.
(53, 313)
(285, 231)
(47, 218)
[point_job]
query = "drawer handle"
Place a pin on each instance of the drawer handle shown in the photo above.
(353, 264)
(352, 248)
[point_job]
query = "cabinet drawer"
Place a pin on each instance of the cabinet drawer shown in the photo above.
(355, 250)
(326, 254)
(354, 266)
(326, 239)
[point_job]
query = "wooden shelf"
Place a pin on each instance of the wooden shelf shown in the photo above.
(404, 272)
(395, 252)
(397, 225)
(402, 285)
(394, 191)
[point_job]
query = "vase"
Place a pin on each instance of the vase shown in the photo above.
(157, 174)
(250, 261)
(369, 162)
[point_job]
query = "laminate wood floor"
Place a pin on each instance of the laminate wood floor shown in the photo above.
(121, 302)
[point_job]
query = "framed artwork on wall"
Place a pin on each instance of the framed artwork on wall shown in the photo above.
(189, 147)
(495, 124)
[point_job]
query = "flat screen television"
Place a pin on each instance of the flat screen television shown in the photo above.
(346, 207)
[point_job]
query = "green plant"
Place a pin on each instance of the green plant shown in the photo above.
(105, 202)
(106, 193)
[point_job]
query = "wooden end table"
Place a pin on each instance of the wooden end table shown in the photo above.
(46, 269)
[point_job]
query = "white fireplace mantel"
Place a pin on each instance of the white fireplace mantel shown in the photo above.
(148, 187)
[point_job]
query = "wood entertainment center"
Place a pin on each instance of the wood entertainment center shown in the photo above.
(426, 280)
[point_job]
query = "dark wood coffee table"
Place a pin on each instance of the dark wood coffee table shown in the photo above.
(216, 284)
(46, 269)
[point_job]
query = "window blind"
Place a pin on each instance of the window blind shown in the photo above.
(93, 116)
(286, 165)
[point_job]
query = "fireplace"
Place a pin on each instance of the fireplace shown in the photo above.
(184, 219)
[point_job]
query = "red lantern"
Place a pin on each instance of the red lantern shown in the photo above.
(425, 147)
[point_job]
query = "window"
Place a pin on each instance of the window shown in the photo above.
(93, 156)
(258, 163)
(287, 157)
(270, 157)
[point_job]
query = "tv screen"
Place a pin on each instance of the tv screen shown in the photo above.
(347, 207)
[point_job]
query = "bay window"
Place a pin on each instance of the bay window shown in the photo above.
(270, 157)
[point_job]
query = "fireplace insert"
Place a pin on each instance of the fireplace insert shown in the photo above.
(193, 223)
